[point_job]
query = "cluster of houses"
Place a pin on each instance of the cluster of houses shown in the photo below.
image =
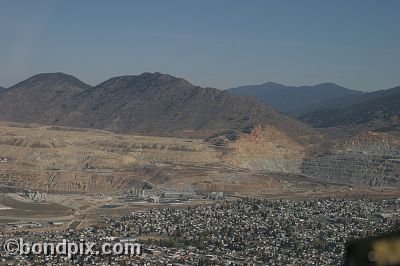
(244, 232)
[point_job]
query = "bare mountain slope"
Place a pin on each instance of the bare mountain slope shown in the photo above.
(28, 100)
(155, 103)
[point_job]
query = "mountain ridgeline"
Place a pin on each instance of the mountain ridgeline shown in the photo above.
(150, 103)
(329, 105)
(29, 100)
(374, 110)
(296, 100)
(242, 132)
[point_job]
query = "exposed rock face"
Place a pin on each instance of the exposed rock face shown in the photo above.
(49, 160)
(62, 182)
(266, 149)
(71, 160)
(368, 158)
(74, 161)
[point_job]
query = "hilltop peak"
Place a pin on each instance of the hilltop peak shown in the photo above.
(146, 78)
(272, 84)
(51, 79)
(26, 99)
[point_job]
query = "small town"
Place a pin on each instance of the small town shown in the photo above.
(243, 232)
(171, 133)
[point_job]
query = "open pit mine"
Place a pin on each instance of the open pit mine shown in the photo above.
(258, 161)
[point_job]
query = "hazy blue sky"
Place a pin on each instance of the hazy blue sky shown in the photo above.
(211, 43)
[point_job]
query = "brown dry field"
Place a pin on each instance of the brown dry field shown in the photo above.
(33, 210)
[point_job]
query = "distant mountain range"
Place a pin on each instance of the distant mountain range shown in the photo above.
(160, 104)
(296, 100)
(329, 105)
(244, 131)
(151, 103)
(379, 108)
